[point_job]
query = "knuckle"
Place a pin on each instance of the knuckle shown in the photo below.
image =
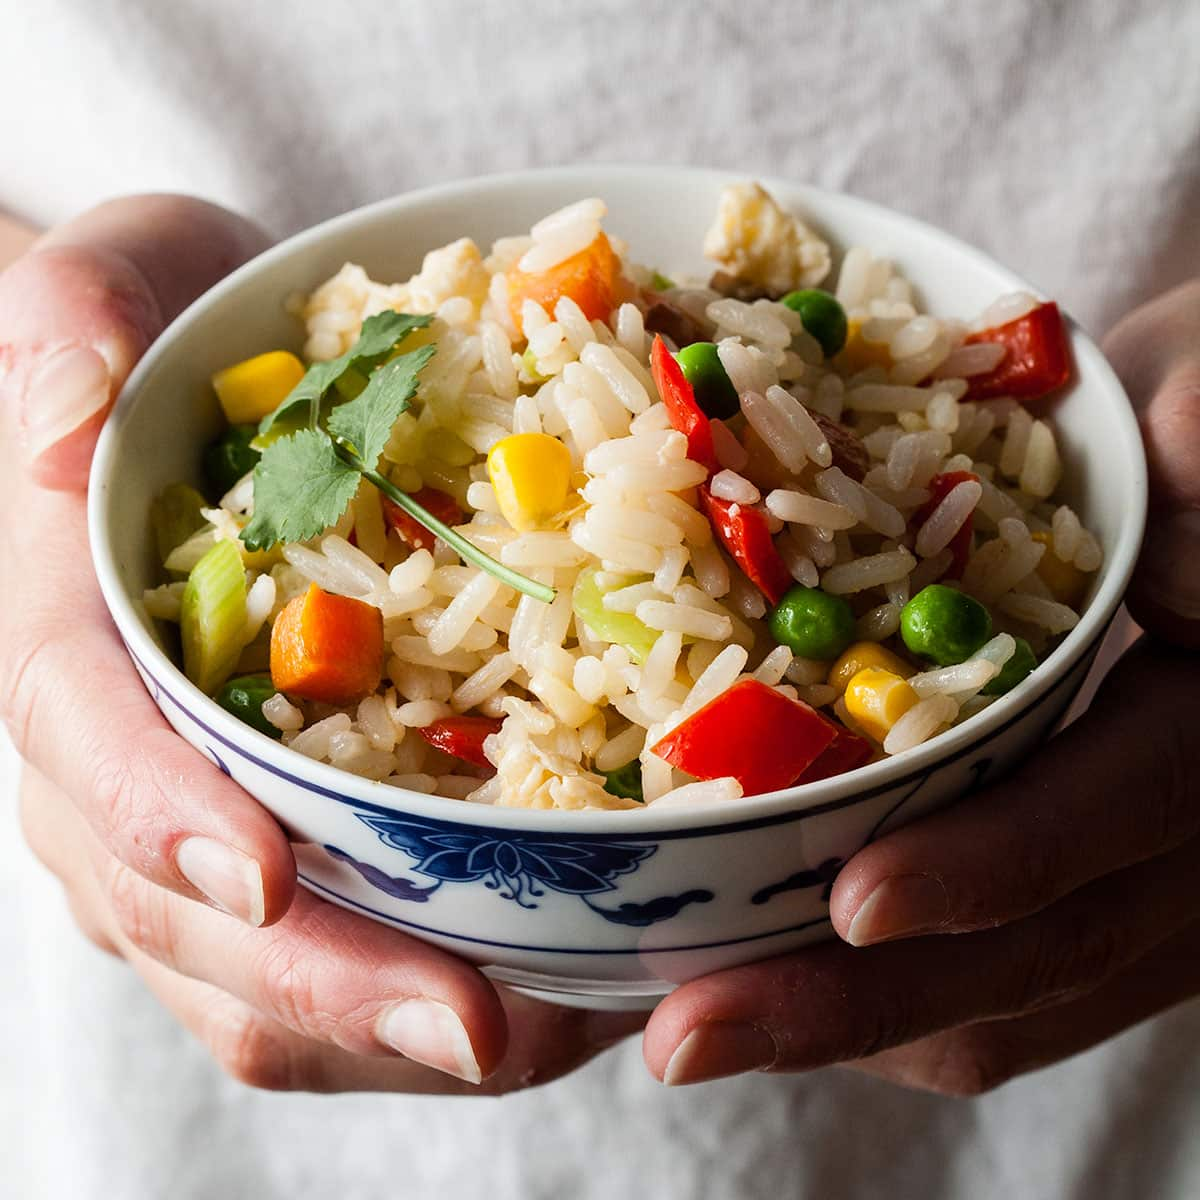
(21, 691)
(1067, 957)
(973, 1063)
(287, 979)
(891, 1023)
(137, 912)
(249, 1050)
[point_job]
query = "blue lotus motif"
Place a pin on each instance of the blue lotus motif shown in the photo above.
(518, 867)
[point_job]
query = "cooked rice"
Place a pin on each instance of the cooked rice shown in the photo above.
(572, 704)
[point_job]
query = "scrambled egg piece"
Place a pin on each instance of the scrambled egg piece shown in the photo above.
(454, 270)
(757, 241)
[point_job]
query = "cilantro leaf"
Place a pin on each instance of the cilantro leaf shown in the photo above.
(301, 487)
(365, 422)
(380, 334)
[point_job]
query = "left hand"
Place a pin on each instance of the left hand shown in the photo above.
(1046, 913)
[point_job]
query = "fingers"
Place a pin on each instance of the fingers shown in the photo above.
(78, 711)
(1112, 789)
(833, 1003)
(250, 1047)
(81, 307)
(977, 1058)
(1156, 351)
(320, 985)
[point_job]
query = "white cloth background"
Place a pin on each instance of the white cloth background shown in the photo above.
(1062, 137)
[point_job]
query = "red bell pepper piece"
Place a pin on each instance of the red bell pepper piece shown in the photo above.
(940, 486)
(441, 505)
(1038, 358)
(462, 736)
(679, 397)
(754, 733)
(744, 533)
(844, 753)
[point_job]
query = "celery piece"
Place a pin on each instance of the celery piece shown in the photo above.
(175, 516)
(212, 617)
(622, 628)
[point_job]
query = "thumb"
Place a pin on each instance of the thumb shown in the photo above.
(1156, 351)
(81, 307)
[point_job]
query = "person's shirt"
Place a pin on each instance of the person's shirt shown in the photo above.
(1062, 138)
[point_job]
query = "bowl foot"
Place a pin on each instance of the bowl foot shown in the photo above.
(605, 995)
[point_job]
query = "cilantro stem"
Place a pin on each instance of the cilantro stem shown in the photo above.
(466, 550)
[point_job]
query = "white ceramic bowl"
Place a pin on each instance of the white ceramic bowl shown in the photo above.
(602, 908)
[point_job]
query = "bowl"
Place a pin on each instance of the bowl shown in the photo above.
(606, 909)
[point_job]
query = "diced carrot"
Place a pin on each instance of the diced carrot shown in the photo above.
(328, 648)
(588, 278)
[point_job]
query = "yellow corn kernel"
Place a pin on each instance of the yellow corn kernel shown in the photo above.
(860, 656)
(877, 699)
(1067, 583)
(858, 354)
(531, 475)
(249, 390)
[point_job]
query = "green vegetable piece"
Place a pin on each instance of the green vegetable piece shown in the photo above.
(175, 516)
(660, 283)
(702, 368)
(625, 781)
(624, 629)
(944, 625)
(1014, 671)
(812, 623)
(244, 698)
(377, 339)
(230, 457)
(823, 317)
(212, 617)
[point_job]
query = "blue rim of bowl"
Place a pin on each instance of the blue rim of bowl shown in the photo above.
(841, 790)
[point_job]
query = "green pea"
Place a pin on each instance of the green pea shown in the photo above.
(812, 623)
(230, 457)
(701, 365)
(1014, 671)
(244, 698)
(944, 625)
(625, 781)
(660, 283)
(823, 317)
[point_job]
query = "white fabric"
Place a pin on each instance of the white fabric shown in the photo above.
(1062, 137)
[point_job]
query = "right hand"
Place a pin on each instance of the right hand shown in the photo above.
(137, 824)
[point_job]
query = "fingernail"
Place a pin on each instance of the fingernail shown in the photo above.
(230, 879)
(718, 1049)
(63, 392)
(1171, 562)
(898, 907)
(430, 1033)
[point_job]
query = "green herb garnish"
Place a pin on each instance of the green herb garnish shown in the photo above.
(660, 283)
(305, 479)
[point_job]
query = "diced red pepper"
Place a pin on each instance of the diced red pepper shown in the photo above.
(680, 399)
(844, 753)
(744, 533)
(940, 486)
(441, 505)
(764, 739)
(1038, 359)
(462, 736)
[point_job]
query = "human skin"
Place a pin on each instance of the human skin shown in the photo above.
(999, 936)
(164, 859)
(1023, 955)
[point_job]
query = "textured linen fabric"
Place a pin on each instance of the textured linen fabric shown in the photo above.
(1064, 138)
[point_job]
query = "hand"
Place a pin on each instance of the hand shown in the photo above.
(292, 1007)
(138, 825)
(1046, 913)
